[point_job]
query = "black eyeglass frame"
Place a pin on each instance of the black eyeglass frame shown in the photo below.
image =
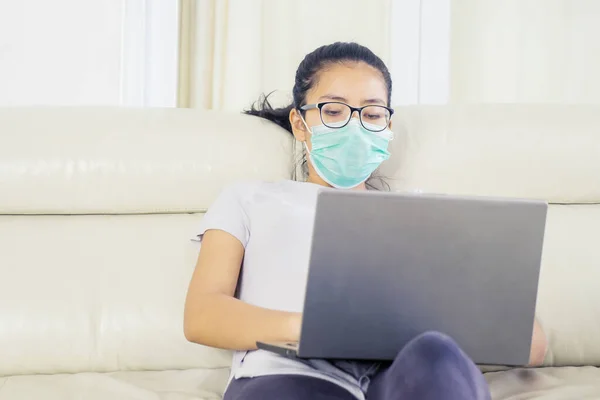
(352, 110)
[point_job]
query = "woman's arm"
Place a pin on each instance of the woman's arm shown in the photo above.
(539, 345)
(213, 317)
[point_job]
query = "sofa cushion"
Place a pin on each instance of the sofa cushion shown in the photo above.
(564, 383)
(549, 152)
(568, 296)
(116, 160)
(193, 384)
(97, 293)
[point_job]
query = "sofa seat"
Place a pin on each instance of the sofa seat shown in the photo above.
(191, 384)
(557, 383)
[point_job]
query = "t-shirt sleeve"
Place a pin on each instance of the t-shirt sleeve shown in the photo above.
(228, 213)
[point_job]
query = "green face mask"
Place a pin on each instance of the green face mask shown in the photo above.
(346, 157)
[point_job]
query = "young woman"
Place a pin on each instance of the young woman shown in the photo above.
(341, 114)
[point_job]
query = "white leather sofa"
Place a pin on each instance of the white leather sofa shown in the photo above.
(98, 205)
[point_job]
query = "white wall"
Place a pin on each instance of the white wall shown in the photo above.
(88, 52)
(420, 51)
(126, 52)
(531, 51)
(492, 51)
(59, 52)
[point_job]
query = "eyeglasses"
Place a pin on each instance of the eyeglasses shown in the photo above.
(337, 115)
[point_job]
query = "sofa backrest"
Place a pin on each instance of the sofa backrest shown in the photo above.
(548, 152)
(97, 208)
(533, 151)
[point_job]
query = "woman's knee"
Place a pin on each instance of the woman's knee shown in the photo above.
(432, 351)
(434, 363)
(434, 344)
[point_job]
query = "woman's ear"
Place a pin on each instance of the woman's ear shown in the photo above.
(298, 127)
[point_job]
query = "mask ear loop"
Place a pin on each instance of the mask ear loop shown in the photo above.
(309, 131)
(306, 149)
(305, 124)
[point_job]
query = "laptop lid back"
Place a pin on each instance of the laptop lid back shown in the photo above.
(386, 267)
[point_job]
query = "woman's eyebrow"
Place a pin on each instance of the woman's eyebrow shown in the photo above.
(334, 98)
(343, 99)
(374, 101)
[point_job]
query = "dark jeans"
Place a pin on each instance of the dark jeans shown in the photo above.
(430, 367)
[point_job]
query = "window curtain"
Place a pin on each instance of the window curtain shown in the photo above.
(525, 51)
(234, 50)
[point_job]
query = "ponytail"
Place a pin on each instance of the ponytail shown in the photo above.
(262, 108)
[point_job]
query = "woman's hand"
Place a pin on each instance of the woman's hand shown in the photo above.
(295, 326)
(539, 345)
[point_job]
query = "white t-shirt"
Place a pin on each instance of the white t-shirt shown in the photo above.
(274, 223)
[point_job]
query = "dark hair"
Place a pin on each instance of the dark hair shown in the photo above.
(306, 76)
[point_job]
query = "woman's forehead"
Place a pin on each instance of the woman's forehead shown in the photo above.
(353, 83)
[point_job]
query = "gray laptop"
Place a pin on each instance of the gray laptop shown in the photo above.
(386, 267)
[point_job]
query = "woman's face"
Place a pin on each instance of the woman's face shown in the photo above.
(354, 83)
